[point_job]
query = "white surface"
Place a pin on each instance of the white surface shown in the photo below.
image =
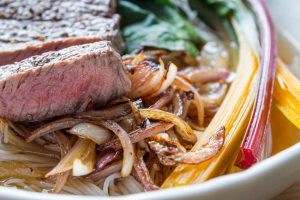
(263, 181)
(286, 15)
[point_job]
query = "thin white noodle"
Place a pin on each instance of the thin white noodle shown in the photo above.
(108, 181)
(133, 185)
(122, 188)
(26, 157)
(12, 181)
(42, 185)
(128, 190)
(29, 188)
(113, 187)
(52, 147)
(114, 190)
(69, 189)
(74, 184)
(85, 190)
(34, 187)
(96, 189)
(46, 166)
(22, 184)
(90, 188)
(128, 185)
(114, 193)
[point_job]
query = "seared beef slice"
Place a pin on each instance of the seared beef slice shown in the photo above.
(32, 27)
(59, 82)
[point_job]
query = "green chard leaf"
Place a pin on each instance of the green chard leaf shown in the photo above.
(157, 24)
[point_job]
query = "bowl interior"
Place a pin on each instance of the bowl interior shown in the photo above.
(262, 181)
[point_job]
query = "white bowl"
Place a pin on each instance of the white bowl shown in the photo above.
(263, 181)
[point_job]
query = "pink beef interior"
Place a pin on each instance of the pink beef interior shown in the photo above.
(58, 83)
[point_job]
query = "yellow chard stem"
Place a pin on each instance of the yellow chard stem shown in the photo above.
(287, 94)
(284, 133)
(233, 114)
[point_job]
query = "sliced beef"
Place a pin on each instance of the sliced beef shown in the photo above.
(59, 82)
(54, 10)
(32, 27)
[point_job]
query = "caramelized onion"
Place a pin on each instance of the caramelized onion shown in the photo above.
(139, 58)
(184, 85)
(137, 135)
(93, 132)
(171, 154)
(186, 105)
(205, 75)
(108, 113)
(65, 147)
(128, 153)
(194, 125)
(142, 173)
(78, 151)
(86, 104)
(177, 105)
(135, 110)
(210, 112)
(170, 77)
(183, 128)
(165, 99)
(213, 100)
(146, 78)
(106, 158)
(97, 175)
(52, 127)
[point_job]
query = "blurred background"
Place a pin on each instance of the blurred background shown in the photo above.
(286, 16)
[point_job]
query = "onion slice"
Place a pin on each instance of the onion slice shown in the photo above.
(97, 134)
(128, 153)
(85, 165)
(213, 100)
(146, 78)
(112, 168)
(78, 151)
(205, 75)
(186, 86)
(171, 74)
(183, 128)
(65, 147)
(142, 172)
(177, 105)
(170, 155)
(113, 112)
(107, 157)
(52, 127)
(137, 135)
(165, 99)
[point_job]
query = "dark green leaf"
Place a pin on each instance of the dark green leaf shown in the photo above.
(157, 24)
